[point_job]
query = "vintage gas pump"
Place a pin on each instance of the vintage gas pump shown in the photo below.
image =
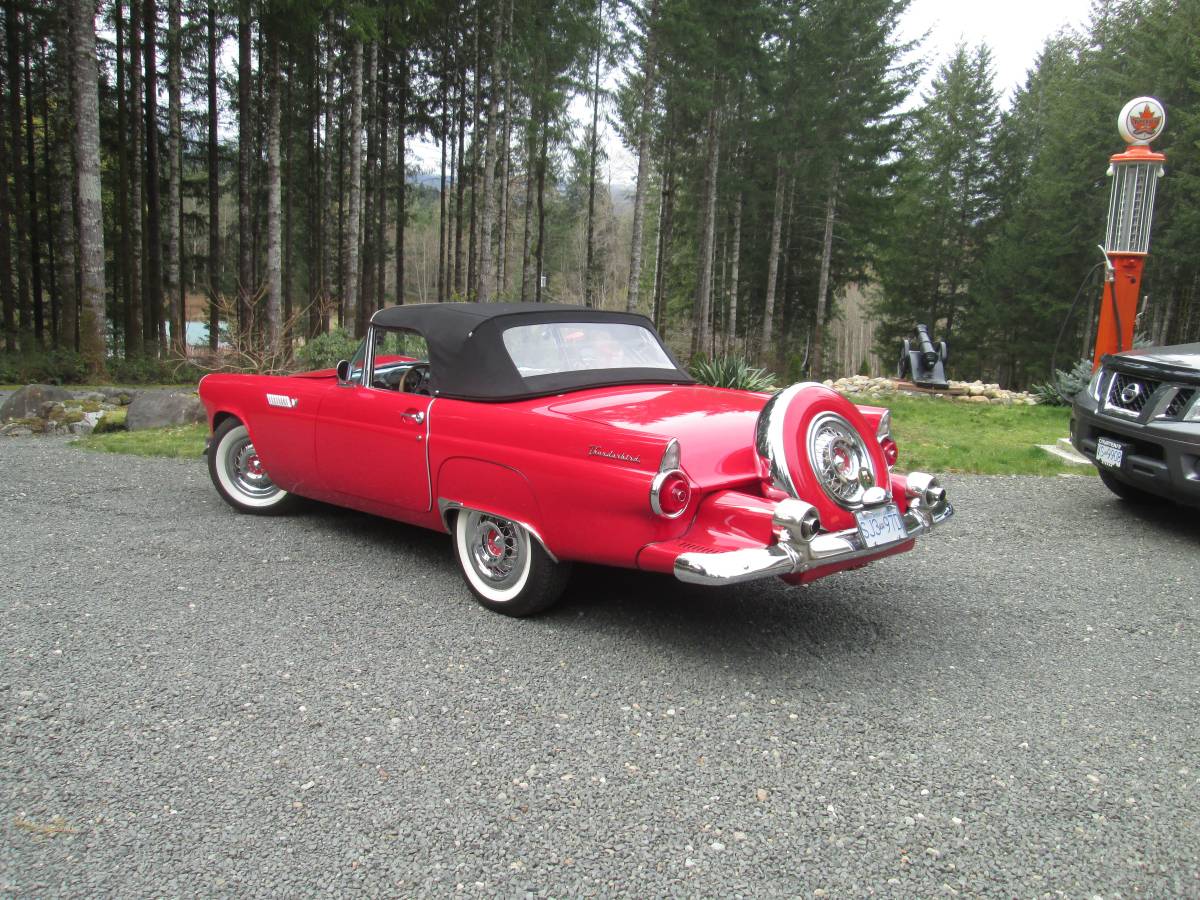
(1135, 175)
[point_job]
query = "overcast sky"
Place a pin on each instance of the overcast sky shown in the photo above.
(1015, 31)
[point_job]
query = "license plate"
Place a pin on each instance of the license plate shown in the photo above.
(1109, 453)
(881, 525)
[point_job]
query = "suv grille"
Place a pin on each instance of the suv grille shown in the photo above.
(1130, 393)
(1178, 403)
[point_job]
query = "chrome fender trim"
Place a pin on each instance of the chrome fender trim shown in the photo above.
(446, 507)
(769, 439)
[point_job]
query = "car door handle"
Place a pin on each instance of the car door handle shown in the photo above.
(413, 415)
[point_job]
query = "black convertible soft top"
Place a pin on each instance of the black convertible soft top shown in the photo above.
(468, 359)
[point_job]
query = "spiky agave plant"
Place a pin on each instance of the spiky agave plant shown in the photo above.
(732, 372)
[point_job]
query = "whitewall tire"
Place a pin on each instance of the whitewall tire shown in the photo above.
(239, 475)
(505, 567)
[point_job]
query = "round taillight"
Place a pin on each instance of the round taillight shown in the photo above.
(670, 494)
(890, 452)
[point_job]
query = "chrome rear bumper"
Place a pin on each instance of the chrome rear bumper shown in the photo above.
(792, 555)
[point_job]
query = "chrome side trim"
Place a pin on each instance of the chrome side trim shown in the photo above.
(770, 440)
(428, 471)
(791, 556)
(445, 507)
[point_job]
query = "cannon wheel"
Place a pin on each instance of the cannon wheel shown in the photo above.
(904, 359)
(943, 351)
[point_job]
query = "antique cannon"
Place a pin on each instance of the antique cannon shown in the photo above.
(923, 362)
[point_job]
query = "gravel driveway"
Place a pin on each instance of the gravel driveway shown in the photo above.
(197, 703)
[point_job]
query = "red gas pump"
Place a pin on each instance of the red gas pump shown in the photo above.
(1135, 175)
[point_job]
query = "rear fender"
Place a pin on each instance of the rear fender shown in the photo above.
(488, 487)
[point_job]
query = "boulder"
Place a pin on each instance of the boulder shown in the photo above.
(119, 396)
(158, 409)
(28, 401)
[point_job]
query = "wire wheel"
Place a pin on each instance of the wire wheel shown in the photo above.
(840, 459)
(498, 551)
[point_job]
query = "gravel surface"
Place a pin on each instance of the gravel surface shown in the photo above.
(200, 703)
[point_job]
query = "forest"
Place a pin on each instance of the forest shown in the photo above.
(224, 180)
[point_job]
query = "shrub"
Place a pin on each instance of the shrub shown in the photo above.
(1062, 390)
(152, 370)
(732, 372)
(45, 367)
(325, 350)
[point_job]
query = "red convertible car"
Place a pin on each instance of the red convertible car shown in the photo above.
(540, 435)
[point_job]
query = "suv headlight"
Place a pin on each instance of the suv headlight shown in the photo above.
(1093, 387)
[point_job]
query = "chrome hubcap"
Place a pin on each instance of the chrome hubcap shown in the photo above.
(839, 459)
(246, 470)
(496, 547)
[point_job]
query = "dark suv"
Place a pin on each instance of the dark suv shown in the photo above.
(1138, 420)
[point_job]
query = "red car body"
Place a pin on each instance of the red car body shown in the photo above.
(576, 468)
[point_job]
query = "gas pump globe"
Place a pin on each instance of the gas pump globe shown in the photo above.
(1135, 175)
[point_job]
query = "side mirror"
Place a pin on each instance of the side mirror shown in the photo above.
(343, 371)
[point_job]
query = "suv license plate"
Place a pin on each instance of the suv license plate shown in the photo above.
(881, 525)
(1109, 453)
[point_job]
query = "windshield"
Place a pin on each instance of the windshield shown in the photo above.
(551, 347)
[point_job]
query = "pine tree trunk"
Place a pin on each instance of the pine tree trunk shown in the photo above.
(443, 224)
(402, 176)
(87, 161)
(487, 288)
(16, 167)
(369, 185)
(734, 260)
(274, 203)
(768, 321)
(135, 312)
(214, 188)
(666, 212)
(246, 286)
(6, 266)
(527, 270)
(541, 208)
(330, 233)
(589, 273)
(649, 73)
(356, 163)
(502, 223)
(381, 191)
(123, 296)
(63, 245)
(155, 332)
(476, 106)
(505, 156)
(35, 228)
(701, 309)
(174, 200)
(823, 279)
(460, 182)
(61, 137)
(315, 196)
(287, 179)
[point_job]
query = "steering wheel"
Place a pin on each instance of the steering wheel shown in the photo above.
(416, 380)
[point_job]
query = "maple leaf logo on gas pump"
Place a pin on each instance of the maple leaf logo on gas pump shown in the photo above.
(1145, 123)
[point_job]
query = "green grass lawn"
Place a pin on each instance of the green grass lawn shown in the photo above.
(936, 435)
(178, 442)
